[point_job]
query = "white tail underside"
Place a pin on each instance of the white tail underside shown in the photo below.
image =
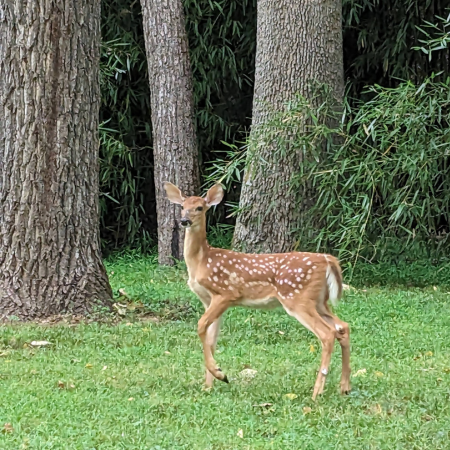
(333, 286)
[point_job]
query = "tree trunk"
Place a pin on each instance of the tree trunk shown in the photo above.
(297, 42)
(174, 138)
(50, 260)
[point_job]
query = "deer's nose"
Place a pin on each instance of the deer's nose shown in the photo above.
(185, 222)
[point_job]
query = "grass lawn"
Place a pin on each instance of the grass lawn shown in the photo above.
(138, 384)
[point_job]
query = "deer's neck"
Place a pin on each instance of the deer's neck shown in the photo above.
(195, 248)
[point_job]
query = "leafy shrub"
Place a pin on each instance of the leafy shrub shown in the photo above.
(383, 183)
(383, 192)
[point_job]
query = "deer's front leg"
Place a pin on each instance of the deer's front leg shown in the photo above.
(211, 318)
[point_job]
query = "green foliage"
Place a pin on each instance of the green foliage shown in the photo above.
(222, 46)
(220, 235)
(382, 182)
(421, 273)
(126, 176)
(222, 42)
(227, 168)
(437, 36)
(379, 36)
(138, 384)
(383, 188)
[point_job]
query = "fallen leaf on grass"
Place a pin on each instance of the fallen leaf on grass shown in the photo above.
(121, 309)
(39, 343)
(425, 369)
(427, 417)
(379, 374)
(360, 373)
(306, 410)
(312, 349)
(88, 366)
(240, 433)
(376, 409)
(429, 354)
(291, 396)
(7, 428)
(248, 374)
(63, 385)
(263, 405)
(131, 399)
(123, 293)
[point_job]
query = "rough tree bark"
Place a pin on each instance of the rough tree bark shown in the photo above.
(174, 138)
(297, 42)
(50, 260)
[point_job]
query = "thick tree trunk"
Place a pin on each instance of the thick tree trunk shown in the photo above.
(50, 260)
(297, 42)
(174, 138)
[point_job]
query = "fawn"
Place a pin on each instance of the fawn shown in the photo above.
(302, 283)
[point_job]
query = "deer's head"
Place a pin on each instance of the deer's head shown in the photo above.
(193, 208)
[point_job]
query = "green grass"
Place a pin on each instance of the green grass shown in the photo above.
(138, 384)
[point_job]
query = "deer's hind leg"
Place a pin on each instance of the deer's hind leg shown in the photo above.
(343, 337)
(306, 313)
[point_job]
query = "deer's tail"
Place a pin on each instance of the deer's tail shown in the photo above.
(334, 279)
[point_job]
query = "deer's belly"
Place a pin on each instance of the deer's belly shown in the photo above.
(205, 295)
(260, 303)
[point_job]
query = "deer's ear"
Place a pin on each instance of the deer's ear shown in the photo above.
(214, 196)
(173, 193)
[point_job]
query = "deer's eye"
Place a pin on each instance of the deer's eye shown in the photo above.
(200, 208)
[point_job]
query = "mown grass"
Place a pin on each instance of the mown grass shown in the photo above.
(138, 384)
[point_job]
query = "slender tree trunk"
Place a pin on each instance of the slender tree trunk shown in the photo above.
(297, 42)
(174, 138)
(50, 260)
